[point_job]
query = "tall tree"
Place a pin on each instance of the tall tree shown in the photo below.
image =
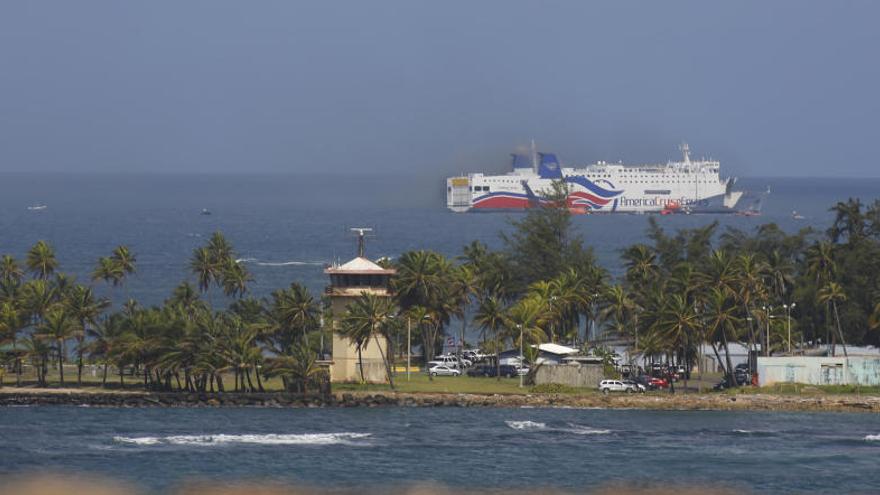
(41, 261)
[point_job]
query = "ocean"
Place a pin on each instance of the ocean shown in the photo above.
(573, 449)
(287, 227)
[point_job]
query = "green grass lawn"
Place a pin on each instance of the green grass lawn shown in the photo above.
(804, 389)
(419, 382)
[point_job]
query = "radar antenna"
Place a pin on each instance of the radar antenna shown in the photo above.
(361, 233)
(685, 151)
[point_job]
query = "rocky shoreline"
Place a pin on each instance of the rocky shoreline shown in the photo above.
(754, 402)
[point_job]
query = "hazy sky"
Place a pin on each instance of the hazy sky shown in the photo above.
(770, 88)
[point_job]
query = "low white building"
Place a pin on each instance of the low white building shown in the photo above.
(820, 370)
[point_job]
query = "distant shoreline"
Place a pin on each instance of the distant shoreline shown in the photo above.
(11, 397)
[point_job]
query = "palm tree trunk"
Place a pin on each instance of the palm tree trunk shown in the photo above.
(247, 374)
(61, 362)
(497, 358)
(385, 361)
(361, 365)
(104, 377)
(79, 361)
(259, 381)
(839, 330)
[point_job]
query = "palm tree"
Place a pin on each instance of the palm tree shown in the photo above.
(109, 271)
(294, 310)
(621, 310)
(298, 368)
(677, 324)
(36, 298)
(234, 278)
(526, 318)
(11, 323)
(203, 267)
(849, 221)
(85, 309)
(491, 316)
(37, 352)
(832, 293)
(366, 318)
(104, 338)
(124, 259)
(41, 261)
(58, 327)
(722, 321)
(9, 269)
(641, 265)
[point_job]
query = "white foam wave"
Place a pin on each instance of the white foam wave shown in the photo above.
(279, 263)
(526, 425)
(137, 440)
(268, 439)
(586, 430)
(872, 438)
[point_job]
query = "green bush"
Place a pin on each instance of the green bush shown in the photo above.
(553, 388)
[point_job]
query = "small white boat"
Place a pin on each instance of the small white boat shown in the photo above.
(205, 211)
(796, 216)
(37, 207)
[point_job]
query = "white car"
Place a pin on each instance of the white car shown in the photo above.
(442, 370)
(607, 386)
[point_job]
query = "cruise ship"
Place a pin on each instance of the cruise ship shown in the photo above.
(686, 186)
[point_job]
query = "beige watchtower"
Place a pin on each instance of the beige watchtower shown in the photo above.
(347, 282)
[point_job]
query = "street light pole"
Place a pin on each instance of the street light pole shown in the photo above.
(788, 309)
(519, 371)
(768, 310)
(408, 345)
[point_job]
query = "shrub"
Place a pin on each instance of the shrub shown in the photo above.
(552, 388)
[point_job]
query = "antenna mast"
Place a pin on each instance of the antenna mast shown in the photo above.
(685, 151)
(534, 157)
(361, 233)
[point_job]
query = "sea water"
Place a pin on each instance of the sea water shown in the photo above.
(471, 448)
(286, 228)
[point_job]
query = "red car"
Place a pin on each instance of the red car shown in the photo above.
(658, 383)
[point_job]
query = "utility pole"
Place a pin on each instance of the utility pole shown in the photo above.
(408, 345)
(788, 309)
(519, 371)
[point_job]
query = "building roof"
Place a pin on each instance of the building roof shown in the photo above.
(561, 350)
(360, 266)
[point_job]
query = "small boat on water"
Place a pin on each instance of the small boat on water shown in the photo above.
(796, 216)
(205, 211)
(39, 207)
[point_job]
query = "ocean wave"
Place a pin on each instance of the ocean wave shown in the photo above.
(584, 430)
(872, 438)
(755, 433)
(572, 428)
(346, 438)
(279, 263)
(137, 440)
(526, 425)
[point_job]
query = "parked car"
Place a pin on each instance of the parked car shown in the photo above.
(489, 370)
(522, 370)
(638, 386)
(450, 361)
(608, 386)
(659, 382)
(441, 370)
(482, 370)
(645, 381)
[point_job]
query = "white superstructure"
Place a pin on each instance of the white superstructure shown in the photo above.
(686, 185)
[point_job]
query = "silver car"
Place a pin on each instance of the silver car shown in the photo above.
(443, 370)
